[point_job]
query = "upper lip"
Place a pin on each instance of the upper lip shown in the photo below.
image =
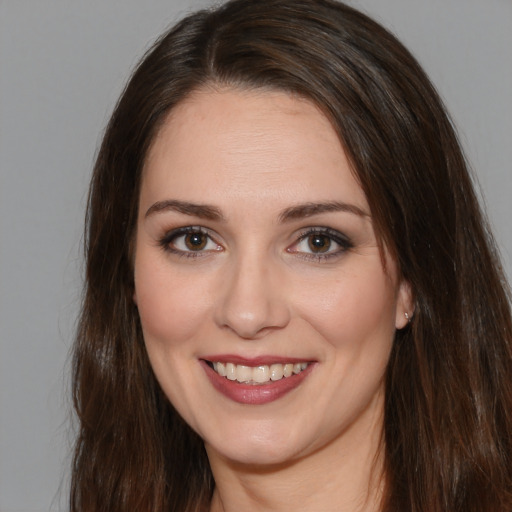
(253, 361)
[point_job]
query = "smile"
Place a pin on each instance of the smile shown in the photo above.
(258, 381)
(257, 375)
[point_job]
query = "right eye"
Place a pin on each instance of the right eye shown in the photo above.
(189, 241)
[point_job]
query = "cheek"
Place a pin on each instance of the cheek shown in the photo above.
(353, 310)
(170, 307)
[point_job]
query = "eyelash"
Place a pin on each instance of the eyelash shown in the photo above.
(344, 243)
(338, 238)
(170, 237)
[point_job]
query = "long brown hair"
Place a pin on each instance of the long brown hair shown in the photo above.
(448, 411)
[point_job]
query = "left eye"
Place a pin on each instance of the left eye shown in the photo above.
(321, 243)
(316, 243)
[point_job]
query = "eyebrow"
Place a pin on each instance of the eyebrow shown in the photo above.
(305, 210)
(300, 211)
(202, 211)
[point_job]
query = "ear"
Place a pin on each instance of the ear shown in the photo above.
(404, 305)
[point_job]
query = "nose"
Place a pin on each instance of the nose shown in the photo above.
(253, 299)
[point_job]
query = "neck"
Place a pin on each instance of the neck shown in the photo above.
(344, 476)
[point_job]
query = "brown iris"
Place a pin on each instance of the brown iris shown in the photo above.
(196, 241)
(319, 243)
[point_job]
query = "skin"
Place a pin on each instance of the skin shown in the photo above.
(258, 288)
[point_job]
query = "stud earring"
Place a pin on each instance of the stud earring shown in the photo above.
(408, 317)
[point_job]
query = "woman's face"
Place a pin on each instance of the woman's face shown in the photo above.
(266, 309)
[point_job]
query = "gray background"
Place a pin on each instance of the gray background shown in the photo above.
(62, 66)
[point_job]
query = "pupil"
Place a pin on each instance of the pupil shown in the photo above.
(195, 241)
(319, 243)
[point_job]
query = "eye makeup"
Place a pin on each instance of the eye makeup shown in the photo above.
(320, 243)
(315, 243)
(189, 242)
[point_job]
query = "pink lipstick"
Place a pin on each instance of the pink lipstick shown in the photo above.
(255, 381)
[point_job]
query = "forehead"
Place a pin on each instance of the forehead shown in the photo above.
(250, 145)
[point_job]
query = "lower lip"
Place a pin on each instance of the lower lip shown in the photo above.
(256, 394)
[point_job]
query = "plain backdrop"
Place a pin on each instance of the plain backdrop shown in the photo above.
(62, 66)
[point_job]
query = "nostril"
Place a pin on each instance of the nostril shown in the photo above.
(250, 304)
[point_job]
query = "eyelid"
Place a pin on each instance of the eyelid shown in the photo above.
(166, 241)
(343, 241)
(339, 238)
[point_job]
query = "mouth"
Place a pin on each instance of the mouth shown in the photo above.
(257, 375)
(258, 381)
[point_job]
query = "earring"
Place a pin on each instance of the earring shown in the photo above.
(408, 317)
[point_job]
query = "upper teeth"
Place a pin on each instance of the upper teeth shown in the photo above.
(257, 374)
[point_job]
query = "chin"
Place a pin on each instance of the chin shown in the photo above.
(253, 455)
(265, 445)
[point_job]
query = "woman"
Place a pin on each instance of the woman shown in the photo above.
(292, 299)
